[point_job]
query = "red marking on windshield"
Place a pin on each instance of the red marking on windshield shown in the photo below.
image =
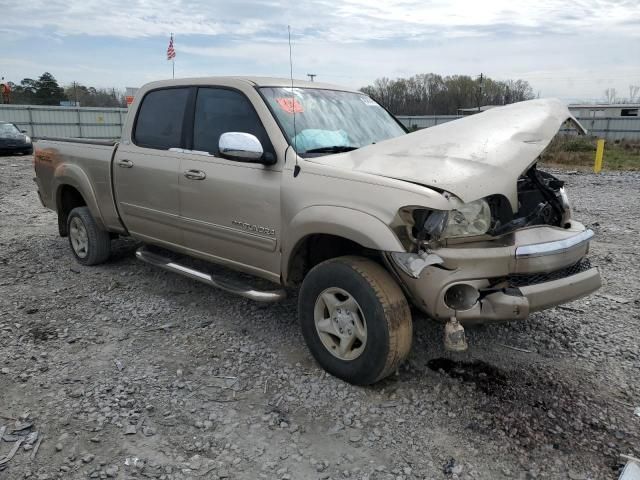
(290, 105)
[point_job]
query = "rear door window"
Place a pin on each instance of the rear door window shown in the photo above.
(220, 110)
(160, 119)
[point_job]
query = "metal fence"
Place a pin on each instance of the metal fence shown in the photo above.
(609, 128)
(414, 122)
(89, 122)
(75, 122)
(613, 128)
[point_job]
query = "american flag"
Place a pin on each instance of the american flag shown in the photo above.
(171, 52)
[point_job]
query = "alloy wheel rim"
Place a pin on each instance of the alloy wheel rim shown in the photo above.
(340, 323)
(79, 237)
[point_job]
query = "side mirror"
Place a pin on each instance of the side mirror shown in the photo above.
(241, 146)
(23, 131)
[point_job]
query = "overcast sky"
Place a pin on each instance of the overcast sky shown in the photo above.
(571, 49)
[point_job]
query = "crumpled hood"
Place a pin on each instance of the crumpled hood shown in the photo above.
(476, 156)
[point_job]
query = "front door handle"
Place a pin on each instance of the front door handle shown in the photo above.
(195, 174)
(125, 163)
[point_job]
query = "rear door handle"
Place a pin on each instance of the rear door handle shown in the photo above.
(125, 163)
(195, 174)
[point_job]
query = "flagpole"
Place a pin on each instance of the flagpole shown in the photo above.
(171, 55)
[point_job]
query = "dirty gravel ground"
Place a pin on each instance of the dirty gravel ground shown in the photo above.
(126, 371)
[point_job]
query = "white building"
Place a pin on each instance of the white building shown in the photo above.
(586, 110)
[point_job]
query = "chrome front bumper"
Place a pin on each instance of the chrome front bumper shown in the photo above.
(555, 247)
(492, 270)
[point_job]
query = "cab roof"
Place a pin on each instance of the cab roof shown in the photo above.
(254, 81)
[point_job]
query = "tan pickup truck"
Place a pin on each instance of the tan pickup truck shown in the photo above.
(318, 187)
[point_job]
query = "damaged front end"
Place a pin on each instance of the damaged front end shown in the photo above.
(508, 245)
(481, 261)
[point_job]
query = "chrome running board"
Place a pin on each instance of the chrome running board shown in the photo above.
(237, 288)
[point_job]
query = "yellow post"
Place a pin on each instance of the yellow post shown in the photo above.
(599, 154)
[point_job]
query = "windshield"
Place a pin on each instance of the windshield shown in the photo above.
(330, 121)
(8, 129)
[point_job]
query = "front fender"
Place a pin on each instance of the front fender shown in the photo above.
(354, 225)
(74, 176)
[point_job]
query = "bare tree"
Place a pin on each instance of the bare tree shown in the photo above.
(431, 94)
(610, 94)
(633, 91)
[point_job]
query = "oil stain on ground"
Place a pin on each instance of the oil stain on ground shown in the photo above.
(536, 408)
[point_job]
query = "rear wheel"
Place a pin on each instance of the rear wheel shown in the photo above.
(90, 244)
(355, 319)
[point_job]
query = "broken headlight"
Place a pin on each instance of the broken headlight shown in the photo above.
(465, 220)
(468, 219)
(429, 224)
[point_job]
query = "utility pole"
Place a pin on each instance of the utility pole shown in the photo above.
(75, 93)
(311, 76)
(479, 94)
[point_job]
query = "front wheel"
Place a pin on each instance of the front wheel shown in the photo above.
(355, 319)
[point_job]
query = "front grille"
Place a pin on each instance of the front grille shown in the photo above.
(524, 279)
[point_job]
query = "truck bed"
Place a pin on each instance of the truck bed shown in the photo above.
(84, 164)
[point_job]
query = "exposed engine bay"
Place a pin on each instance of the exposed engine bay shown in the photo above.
(541, 201)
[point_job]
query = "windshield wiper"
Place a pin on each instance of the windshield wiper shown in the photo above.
(332, 149)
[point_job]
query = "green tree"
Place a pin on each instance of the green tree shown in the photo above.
(17, 94)
(48, 92)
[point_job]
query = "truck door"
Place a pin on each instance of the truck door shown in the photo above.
(146, 169)
(230, 209)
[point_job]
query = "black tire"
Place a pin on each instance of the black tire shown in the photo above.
(98, 241)
(28, 151)
(385, 310)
